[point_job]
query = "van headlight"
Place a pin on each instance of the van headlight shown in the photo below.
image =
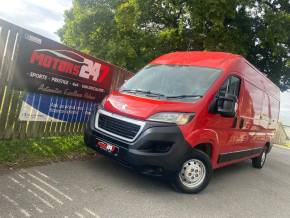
(172, 117)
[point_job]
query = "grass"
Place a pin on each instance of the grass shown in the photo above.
(30, 152)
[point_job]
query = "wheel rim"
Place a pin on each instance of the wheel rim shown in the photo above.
(192, 173)
(263, 158)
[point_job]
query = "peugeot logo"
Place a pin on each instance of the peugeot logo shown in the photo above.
(124, 107)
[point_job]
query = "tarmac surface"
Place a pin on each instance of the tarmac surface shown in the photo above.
(103, 188)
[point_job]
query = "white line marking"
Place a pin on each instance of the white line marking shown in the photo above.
(43, 190)
(32, 192)
(40, 198)
(25, 212)
(47, 193)
(50, 186)
(16, 181)
(37, 208)
(91, 212)
(46, 176)
(10, 200)
(20, 176)
(79, 215)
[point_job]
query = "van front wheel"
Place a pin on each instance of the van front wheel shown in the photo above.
(194, 174)
(258, 162)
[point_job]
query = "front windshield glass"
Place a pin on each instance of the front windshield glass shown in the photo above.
(172, 81)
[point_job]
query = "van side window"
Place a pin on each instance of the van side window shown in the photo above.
(231, 86)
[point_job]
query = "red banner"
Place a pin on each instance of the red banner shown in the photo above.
(45, 66)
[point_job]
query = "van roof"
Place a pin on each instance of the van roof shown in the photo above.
(197, 58)
(211, 59)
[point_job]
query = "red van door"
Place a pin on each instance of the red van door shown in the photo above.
(251, 114)
(227, 128)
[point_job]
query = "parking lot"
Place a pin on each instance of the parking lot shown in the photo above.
(102, 188)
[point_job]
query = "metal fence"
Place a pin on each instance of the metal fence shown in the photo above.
(11, 99)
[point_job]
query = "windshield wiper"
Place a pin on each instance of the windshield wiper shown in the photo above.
(150, 93)
(128, 90)
(185, 96)
(146, 92)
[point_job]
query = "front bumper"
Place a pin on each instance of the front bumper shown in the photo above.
(159, 149)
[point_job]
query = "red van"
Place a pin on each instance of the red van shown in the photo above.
(187, 113)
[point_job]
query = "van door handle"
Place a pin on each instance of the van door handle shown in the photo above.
(242, 123)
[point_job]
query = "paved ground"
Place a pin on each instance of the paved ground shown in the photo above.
(102, 188)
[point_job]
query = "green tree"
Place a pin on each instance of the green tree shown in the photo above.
(130, 33)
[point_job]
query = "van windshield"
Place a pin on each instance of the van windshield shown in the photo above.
(172, 81)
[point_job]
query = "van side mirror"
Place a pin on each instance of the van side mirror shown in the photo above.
(226, 105)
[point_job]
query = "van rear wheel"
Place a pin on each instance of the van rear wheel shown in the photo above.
(258, 162)
(194, 173)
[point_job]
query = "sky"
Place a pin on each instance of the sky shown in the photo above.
(45, 17)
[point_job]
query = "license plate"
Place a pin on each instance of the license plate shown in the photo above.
(107, 147)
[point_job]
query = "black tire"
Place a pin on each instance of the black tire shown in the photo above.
(199, 157)
(258, 162)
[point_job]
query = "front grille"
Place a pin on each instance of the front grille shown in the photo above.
(119, 127)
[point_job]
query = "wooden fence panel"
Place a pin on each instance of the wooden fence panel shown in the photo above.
(280, 136)
(10, 126)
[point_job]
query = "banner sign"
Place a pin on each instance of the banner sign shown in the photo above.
(45, 66)
(41, 107)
